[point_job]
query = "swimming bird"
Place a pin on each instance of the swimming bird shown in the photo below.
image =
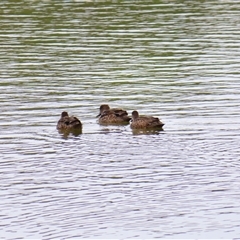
(68, 123)
(145, 122)
(109, 115)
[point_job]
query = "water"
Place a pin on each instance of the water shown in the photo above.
(178, 60)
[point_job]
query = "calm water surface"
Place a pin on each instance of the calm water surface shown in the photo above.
(178, 60)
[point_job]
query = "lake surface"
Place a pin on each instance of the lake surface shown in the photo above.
(177, 60)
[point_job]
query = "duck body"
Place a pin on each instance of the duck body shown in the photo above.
(68, 123)
(145, 122)
(109, 115)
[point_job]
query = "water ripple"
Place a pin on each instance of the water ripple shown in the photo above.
(174, 60)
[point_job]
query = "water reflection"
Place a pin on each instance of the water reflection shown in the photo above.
(114, 124)
(174, 59)
(66, 133)
(147, 131)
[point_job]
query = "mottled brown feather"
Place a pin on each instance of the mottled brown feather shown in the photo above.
(109, 115)
(67, 123)
(145, 122)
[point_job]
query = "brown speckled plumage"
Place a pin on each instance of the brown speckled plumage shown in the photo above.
(68, 123)
(109, 115)
(145, 122)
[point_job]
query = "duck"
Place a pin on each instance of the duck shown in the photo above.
(145, 122)
(68, 123)
(109, 115)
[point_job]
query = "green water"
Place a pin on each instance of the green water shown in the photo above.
(176, 60)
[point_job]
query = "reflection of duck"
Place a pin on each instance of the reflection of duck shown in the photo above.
(68, 123)
(109, 115)
(145, 122)
(146, 131)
